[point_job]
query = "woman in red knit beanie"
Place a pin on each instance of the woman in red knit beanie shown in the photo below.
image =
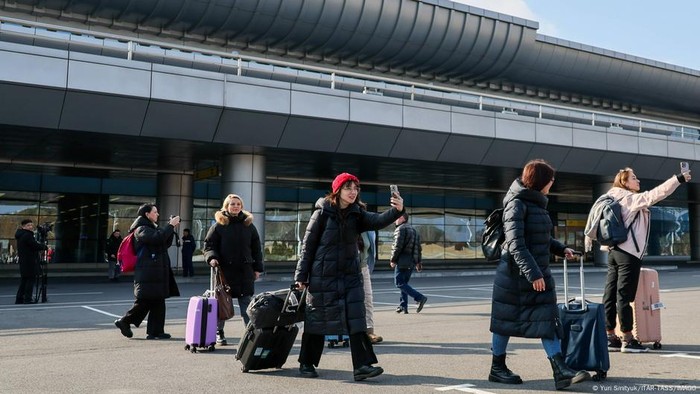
(329, 266)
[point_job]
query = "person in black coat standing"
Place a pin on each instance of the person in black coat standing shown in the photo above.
(189, 245)
(154, 280)
(233, 243)
(524, 295)
(111, 249)
(28, 255)
(329, 267)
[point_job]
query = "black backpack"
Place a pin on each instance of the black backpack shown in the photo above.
(611, 228)
(493, 235)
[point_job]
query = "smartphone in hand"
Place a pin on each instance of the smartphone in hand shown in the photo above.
(685, 167)
(394, 190)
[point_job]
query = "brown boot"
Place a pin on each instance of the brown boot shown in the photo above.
(373, 337)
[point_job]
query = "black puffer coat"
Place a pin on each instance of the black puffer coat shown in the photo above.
(330, 265)
(517, 309)
(235, 243)
(153, 277)
(28, 252)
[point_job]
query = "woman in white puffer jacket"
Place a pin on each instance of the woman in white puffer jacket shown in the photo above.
(625, 259)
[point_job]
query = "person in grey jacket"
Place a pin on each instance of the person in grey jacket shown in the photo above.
(524, 295)
(406, 252)
(154, 280)
(329, 267)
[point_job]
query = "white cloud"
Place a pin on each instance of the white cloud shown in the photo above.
(517, 8)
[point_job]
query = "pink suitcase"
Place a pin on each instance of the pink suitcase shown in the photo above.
(200, 328)
(647, 307)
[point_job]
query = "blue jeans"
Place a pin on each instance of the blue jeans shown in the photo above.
(500, 342)
(243, 302)
(401, 278)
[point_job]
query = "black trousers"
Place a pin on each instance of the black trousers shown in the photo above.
(26, 288)
(360, 349)
(155, 309)
(620, 289)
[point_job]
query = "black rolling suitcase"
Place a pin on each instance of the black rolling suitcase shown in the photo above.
(584, 343)
(262, 348)
(267, 345)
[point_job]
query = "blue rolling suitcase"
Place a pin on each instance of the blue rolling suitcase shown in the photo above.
(584, 342)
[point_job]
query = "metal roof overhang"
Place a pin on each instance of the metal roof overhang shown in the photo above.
(430, 39)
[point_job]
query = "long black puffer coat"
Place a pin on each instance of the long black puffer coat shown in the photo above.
(28, 252)
(517, 309)
(235, 243)
(330, 265)
(153, 277)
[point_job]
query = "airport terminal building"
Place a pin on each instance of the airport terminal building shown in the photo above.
(107, 105)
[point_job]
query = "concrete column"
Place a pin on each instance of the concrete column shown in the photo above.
(244, 174)
(600, 258)
(175, 198)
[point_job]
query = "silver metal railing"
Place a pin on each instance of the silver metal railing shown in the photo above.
(141, 49)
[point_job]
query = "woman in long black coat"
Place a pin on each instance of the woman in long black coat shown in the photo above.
(524, 294)
(233, 243)
(154, 280)
(329, 266)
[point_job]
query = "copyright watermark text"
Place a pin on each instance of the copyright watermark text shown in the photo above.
(641, 388)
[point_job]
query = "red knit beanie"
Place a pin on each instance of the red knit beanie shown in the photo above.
(340, 180)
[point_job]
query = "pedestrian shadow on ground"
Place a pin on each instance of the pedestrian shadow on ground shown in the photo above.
(395, 347)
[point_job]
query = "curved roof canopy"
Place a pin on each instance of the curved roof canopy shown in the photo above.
(430, 39)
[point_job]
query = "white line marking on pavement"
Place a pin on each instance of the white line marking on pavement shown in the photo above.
(681, 355)
(465, 388)
(460, 297)
(61, 294)
(100, 311)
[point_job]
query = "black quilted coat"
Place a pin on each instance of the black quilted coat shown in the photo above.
(517, 309)
(153, 277)
(330, 265)
(28, 252)
(235, 243)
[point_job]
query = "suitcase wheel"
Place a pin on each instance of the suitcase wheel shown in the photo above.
(600, 375)
(346, 344)
(211, 348)
(187, 347)
(657, 345)
(331, 344)
(244, 369)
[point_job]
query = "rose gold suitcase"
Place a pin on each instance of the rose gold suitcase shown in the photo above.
(646, 308)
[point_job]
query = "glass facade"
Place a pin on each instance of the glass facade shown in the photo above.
(81, 222)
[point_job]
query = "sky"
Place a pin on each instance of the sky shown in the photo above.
(665, 31)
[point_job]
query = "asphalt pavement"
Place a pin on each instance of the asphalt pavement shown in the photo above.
(70, 344)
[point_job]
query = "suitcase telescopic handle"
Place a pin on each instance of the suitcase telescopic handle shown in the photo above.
(584, 306)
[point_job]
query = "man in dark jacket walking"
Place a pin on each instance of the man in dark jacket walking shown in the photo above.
(29, 268)
(406, 255)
